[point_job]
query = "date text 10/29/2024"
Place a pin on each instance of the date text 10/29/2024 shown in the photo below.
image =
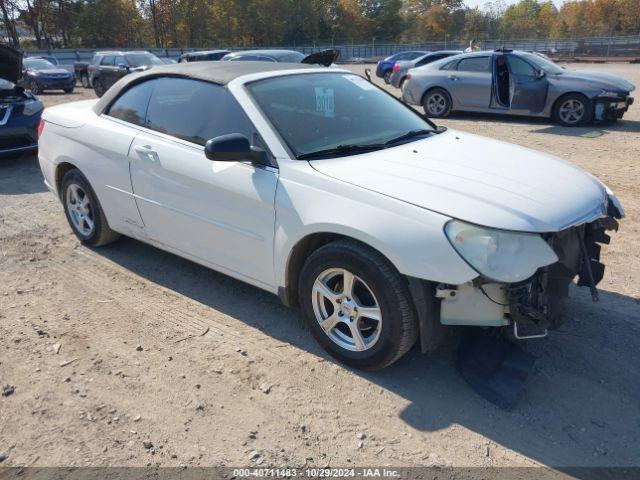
(315, 473)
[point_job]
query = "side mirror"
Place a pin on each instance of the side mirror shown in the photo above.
(234, 147)
(540, 73)
(122, 66)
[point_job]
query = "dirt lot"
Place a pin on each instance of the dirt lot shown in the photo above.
(114, 347)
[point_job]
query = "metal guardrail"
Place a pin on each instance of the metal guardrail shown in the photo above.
(583, 47)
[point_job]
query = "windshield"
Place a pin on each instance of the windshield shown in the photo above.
(37, 64)
(322, 111)
(143, 60)
(293, 57)
(546, 65)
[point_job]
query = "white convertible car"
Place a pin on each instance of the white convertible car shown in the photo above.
(318, 186)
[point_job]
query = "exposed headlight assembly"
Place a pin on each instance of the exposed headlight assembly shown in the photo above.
(500, 255)
(31, 107)
(608, 94)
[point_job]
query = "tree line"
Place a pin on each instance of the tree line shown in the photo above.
(242, 23)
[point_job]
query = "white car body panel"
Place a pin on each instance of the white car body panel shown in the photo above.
(245, 220)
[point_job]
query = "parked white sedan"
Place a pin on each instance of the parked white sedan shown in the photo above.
(319, 187)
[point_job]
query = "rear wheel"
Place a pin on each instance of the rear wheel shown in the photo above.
(387, 77)
(573, 110)
(357, 305)
(84, 212)
(437, 103)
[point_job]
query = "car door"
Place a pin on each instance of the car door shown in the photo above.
(470, 83)
(122, 68)
(108, 70)
(219, 212)
(528, 87)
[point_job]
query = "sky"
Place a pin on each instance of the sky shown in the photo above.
(479, 3)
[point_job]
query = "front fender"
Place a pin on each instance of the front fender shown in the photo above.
(411, 238)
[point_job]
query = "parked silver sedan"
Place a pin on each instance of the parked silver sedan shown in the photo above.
(402, 67)
(517, 83)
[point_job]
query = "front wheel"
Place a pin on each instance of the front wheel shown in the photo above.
(84, 212)
(68, 90)
(34, 87)
(437, 103)
(357, 305)
(98, 87)
(573, 110)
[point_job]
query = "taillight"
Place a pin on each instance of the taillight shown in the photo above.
(40, 128)
(396, 68)
(408, 77)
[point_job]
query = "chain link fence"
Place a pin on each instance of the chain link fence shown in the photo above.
(596, 48)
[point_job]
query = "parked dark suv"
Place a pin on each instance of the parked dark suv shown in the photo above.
(108, 67)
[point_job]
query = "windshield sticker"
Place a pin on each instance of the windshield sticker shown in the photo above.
(325, 101)
(361, 82)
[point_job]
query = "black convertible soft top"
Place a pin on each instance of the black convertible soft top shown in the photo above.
(215, 72)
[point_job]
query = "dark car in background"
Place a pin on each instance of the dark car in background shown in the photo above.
(324, 57)
(385, 66)
(39, 75)
(203, 56)
(20, 110)
(108, 67)
(402, 67)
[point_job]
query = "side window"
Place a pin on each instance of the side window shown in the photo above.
(97, 59)
(195, 111)
(131, 106)
(108, 60)
(474, 64)
(429, 59)
(120, 60)
(450, 66)
(517, 66)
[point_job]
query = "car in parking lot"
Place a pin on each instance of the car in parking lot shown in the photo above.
(517, 83)
(324, 57)
(318, 186)
(203, 56)
(402, 67)
(39, 75)
(384, 67)
(107, 68)
(20, 109)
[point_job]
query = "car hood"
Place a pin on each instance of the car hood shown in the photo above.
(325, 57)
(51, 71)
(597, 79)
(478, 180)
(10, 64)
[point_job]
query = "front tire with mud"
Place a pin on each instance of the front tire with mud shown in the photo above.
(357, 305)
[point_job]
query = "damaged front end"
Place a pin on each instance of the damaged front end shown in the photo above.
(539, 303)
(611, 106)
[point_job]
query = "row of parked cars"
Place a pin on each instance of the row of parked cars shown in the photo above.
(107, 67)
(505, 82)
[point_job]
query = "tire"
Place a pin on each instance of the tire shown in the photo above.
(68, 90)
(98, 87)
(376, 284)
(84, 80)
(387, 76)
(401, 84)
(573, 110)
(99, 233)
(34, 87)
(437, 103)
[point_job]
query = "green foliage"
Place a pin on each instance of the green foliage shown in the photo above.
(238, 23)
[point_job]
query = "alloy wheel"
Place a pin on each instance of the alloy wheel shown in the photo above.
(347, 310)
(80, 211)
(572, 111)
(436, 104)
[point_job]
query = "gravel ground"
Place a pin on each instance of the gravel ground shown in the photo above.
(127, 355)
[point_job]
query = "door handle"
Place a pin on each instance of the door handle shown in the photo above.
(452, 77)
(146, 150)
